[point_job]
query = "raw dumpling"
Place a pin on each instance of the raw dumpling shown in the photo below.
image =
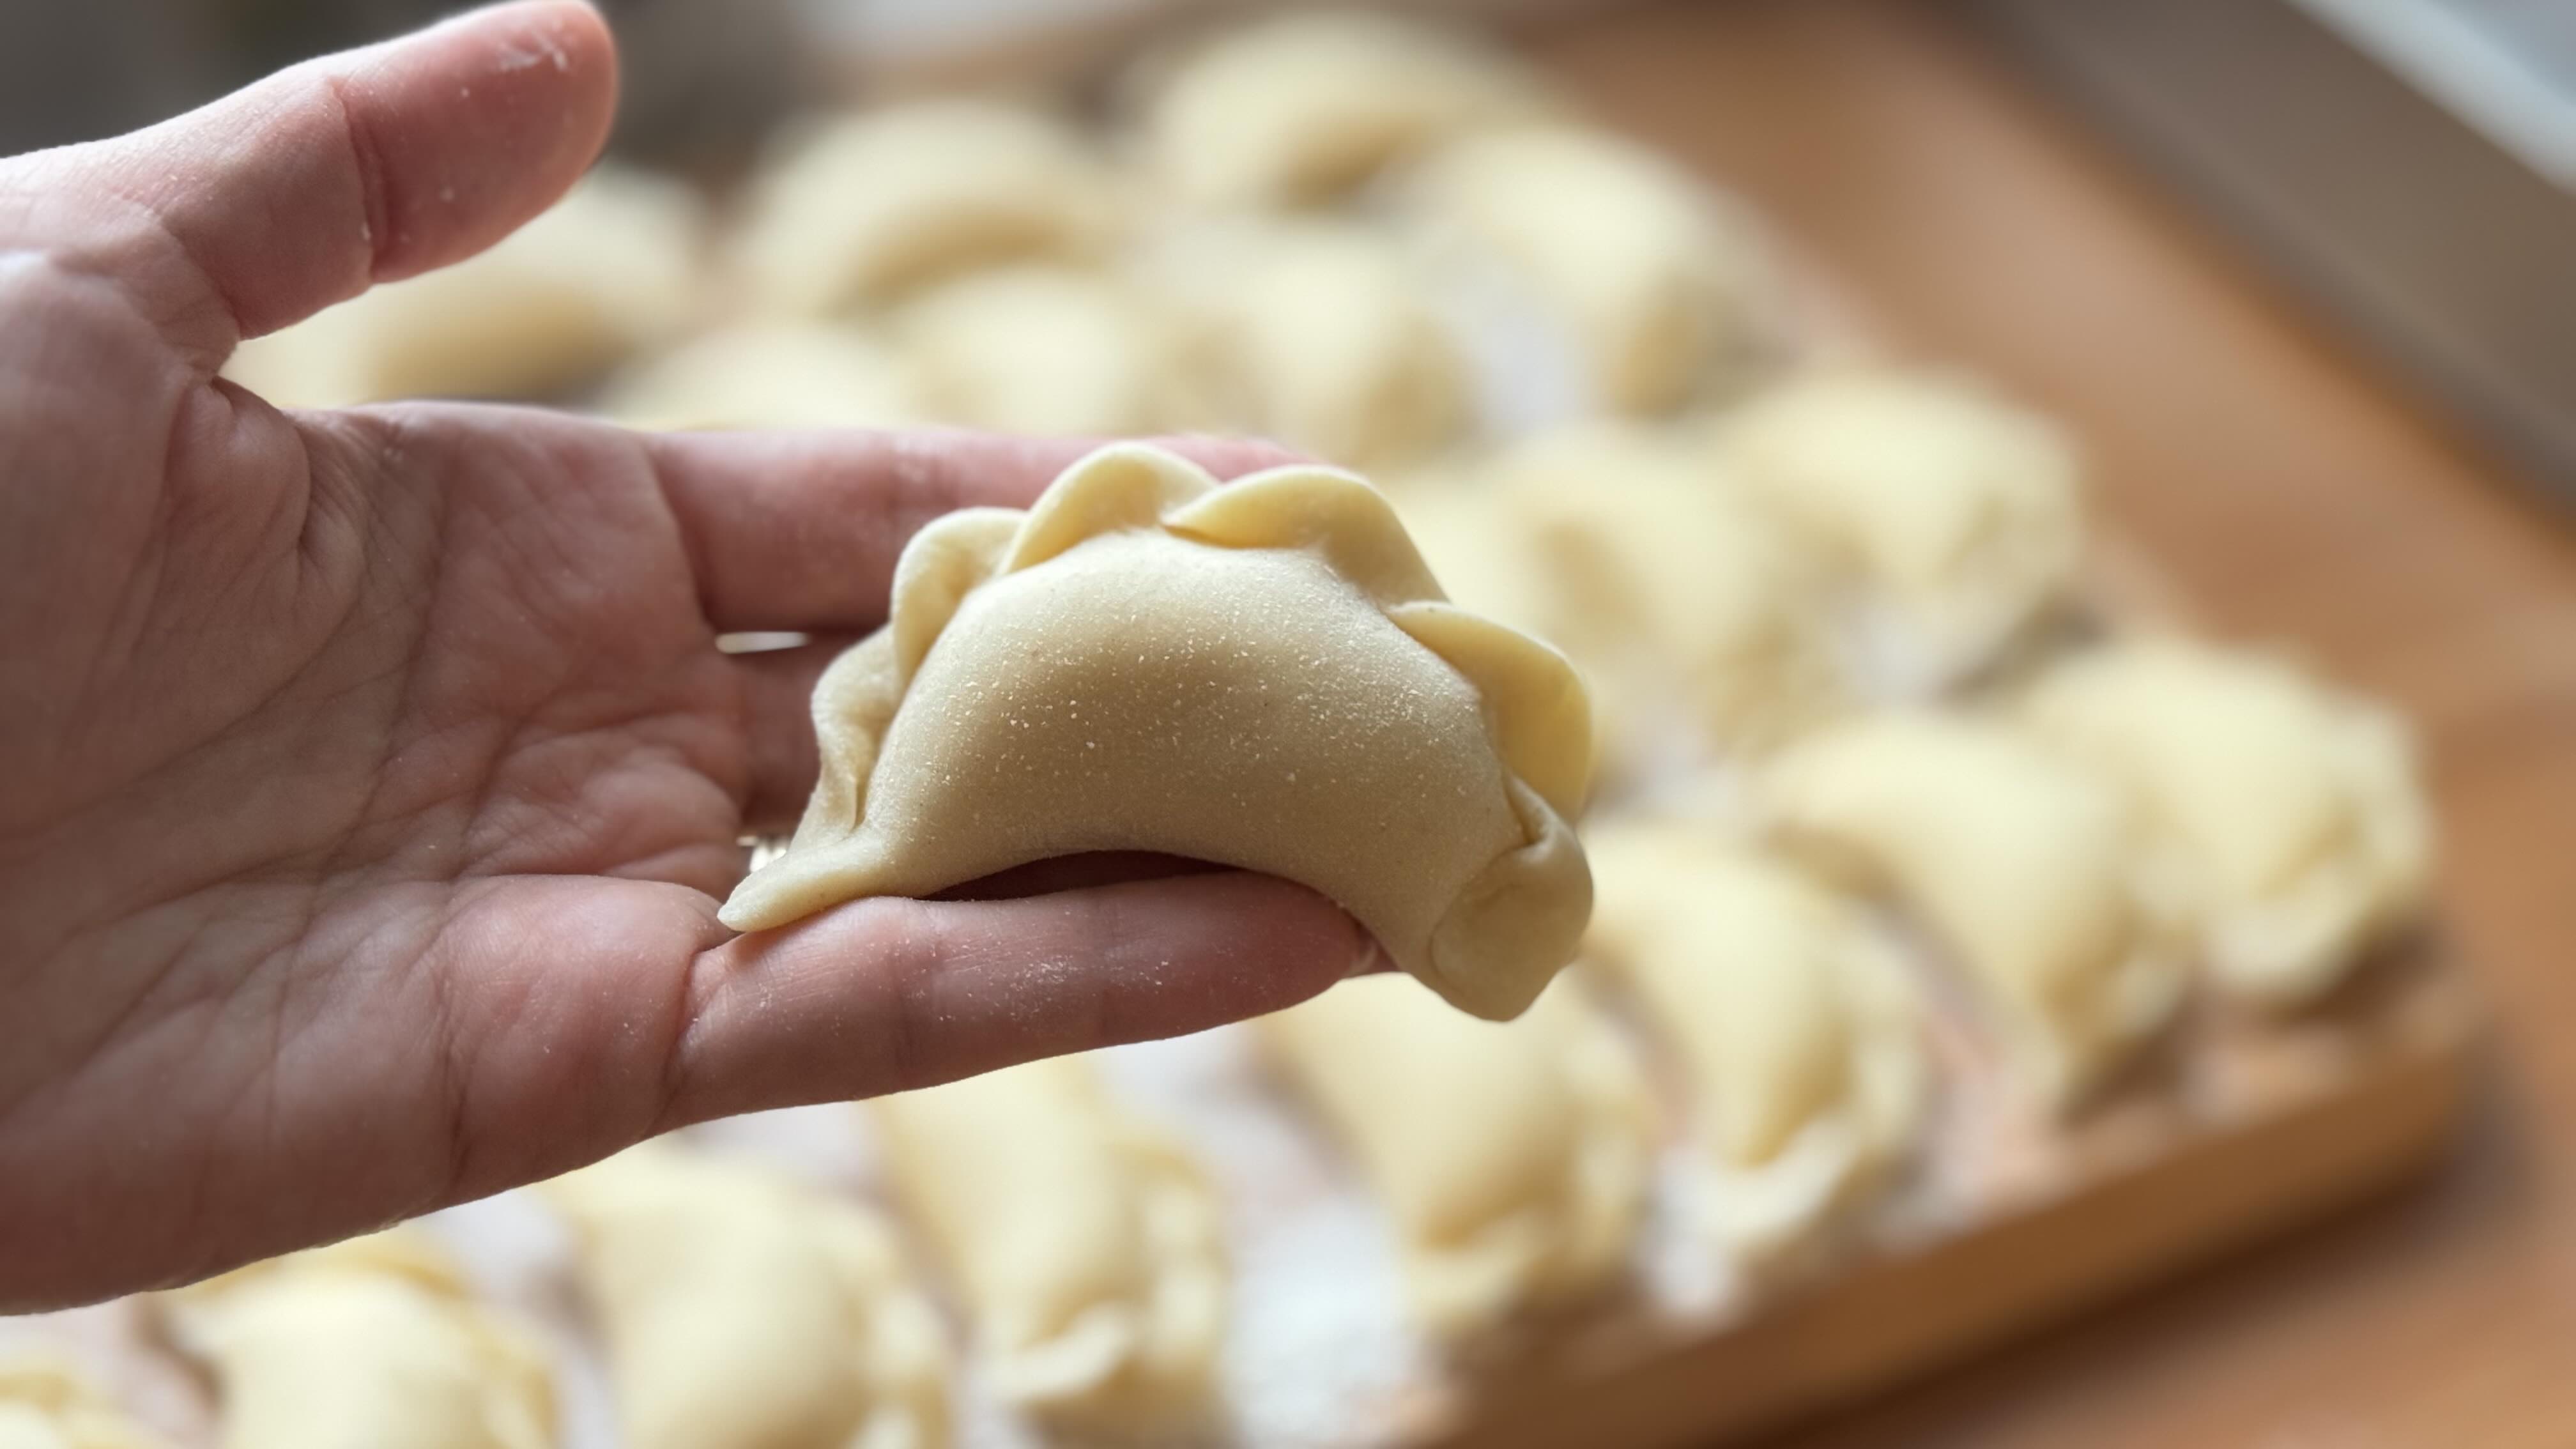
(883, 201)
(46, 1405)
(1656, 283)
(1304, 106)
(1324, 330)
(2022, 864)
(1791, 1014)
(1663, 583)
(1042, 350)
(611, 269)
(2286, 820)
(1086, 1245)
(1261, 675)
(374, 1341)
(1514, 1156)
(743, 1310)
(1954, 515)
(780, 375)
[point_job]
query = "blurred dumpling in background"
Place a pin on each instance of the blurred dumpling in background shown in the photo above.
(2022, 865)
(1663, 583)
(1513, 1155)
(1321, 330)
(2285, 818)
(610, 270)
(1044, 349)
(1476, 549)
(375, 1341)
(1791, 1015)
(743, 1310)
(1651, 277)
(46, 1404)
(1085, 1245)
(870, 205)
(773, 375)
(1952, 515)
(1305, 105)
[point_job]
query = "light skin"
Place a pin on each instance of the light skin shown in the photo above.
(369, 779)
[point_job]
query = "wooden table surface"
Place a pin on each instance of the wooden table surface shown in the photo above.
(2299, 499)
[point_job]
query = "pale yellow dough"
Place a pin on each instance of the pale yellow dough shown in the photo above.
(1792, 1015)
(1954, 516)
(2024, 866)
(1514, 1156)
(873, 204)
(743, 1310)
(777, 375)
(1304, 106)
(610, 270)
(1652, 277)
(1261, 675)
(2288, 825)
(1086, 1245)
(375, 1341)
(45, 1404)
(1636, 557)
(1323, 329)
(1043, 349)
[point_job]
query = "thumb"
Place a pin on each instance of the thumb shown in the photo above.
(278, 200)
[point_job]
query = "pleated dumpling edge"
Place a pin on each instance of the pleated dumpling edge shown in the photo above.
(1262, 674)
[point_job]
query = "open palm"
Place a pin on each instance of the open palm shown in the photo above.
(368, 780)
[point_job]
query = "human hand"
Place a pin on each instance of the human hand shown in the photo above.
(372, 777)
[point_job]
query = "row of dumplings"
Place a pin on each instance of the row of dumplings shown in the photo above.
(2067, 857)
(1318, 227)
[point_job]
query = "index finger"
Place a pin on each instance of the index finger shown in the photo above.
(800, 530)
